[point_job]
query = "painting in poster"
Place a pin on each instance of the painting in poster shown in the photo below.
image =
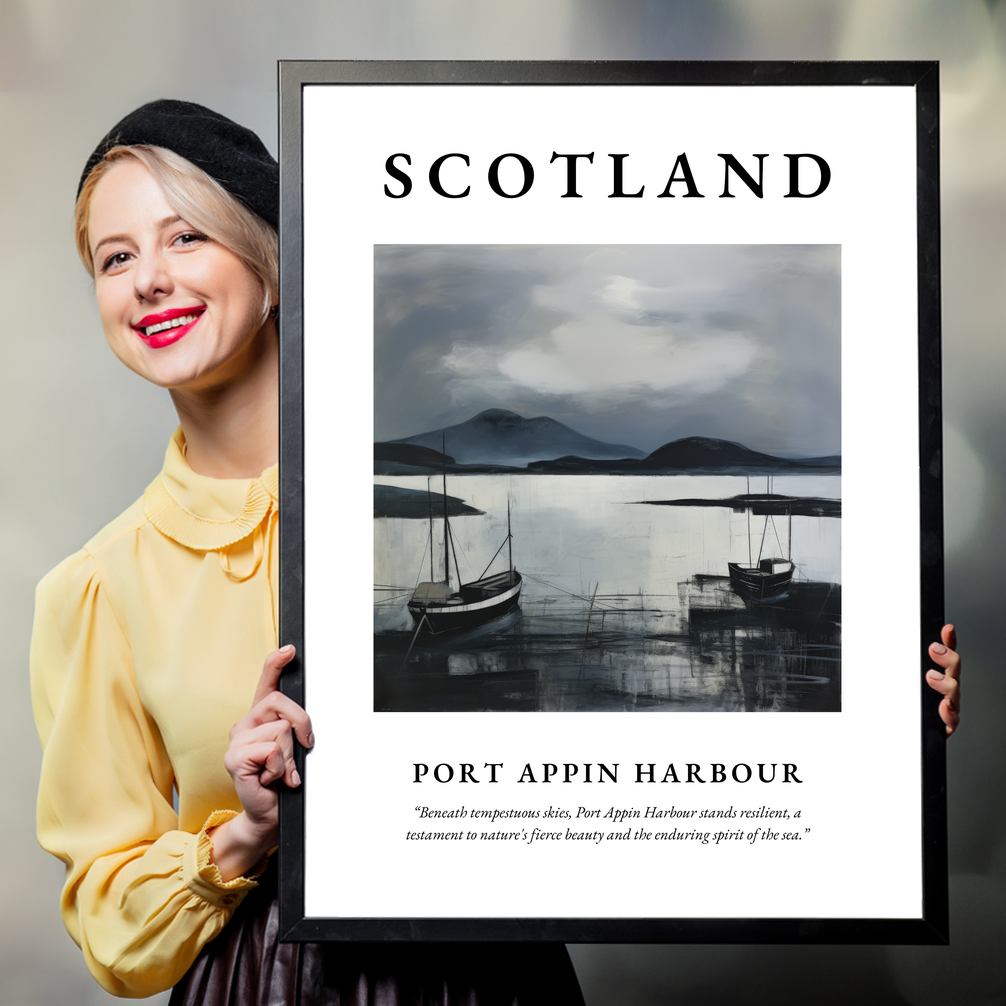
(607, 478)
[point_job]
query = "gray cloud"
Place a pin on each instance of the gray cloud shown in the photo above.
(635, 344)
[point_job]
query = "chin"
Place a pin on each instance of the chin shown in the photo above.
(194, 379)
(170, 375)
(196, 365)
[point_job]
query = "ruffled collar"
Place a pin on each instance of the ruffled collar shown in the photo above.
(203, 513)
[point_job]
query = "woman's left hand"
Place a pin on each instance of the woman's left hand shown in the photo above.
(948, 681)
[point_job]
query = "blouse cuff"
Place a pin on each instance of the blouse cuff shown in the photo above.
(202, 876)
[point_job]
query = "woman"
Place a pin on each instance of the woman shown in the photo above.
(148, 643)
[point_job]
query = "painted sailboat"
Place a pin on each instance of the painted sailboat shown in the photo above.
(767, 578)
(437, 608)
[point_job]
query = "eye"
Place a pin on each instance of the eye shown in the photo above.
(115, 261)
(189, 239)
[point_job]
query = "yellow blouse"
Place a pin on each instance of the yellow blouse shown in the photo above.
(147, 647)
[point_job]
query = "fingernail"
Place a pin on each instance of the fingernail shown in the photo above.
(936, 675)
(295, 777)
(938, 648)
(286, 649)
(310, 740)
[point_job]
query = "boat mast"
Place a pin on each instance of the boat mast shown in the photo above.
(747, 510)
(447, 529)
(429, 500)
(509, 536)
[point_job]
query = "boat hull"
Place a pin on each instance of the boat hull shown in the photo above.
(768, 581)
(475, 604)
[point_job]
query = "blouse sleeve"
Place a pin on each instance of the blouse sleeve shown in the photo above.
(141, 898)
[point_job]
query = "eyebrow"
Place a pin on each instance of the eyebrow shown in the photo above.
(111, 238)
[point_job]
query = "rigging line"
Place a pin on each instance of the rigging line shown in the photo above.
(824, 605)
(775, 531)
(579, 597)
(408, 652)
(586, 635)
(420, 573)
(761, 547)
(493, 559)
(389, 586)
(464, 555)
(393, 599)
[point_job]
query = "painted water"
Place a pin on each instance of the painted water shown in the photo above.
(625, 605)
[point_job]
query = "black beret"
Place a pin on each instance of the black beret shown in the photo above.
(230, 154)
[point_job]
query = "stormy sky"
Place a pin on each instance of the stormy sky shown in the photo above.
(639, 344)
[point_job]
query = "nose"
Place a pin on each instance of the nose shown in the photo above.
(152, 277)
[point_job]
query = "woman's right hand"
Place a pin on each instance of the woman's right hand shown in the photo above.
(260, 753)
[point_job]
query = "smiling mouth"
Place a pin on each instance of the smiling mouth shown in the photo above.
(166, 325)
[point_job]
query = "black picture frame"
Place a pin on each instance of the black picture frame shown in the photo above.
(930, 926)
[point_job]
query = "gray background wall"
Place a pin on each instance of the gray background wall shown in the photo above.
(82, 437)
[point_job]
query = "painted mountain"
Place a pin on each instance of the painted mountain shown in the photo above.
(497, 436)
(708, 452)
(691, 454)
(501, 441)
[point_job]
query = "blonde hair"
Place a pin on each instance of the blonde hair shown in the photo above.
(199, 200)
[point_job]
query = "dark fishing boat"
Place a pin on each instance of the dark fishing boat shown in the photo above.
(765, 579)
(768, 581)
(436, 608)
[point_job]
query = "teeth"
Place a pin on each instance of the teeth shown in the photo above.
(174, 323)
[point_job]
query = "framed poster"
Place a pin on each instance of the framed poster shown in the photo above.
(611, 501)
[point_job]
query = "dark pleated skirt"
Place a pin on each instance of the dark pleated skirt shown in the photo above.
(246, 965)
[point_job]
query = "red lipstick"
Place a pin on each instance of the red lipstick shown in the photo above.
(166, 326)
